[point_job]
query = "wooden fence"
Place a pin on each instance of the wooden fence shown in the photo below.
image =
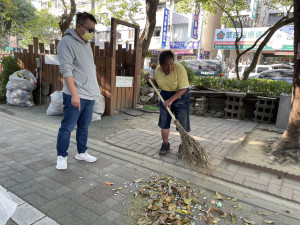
(110, 62)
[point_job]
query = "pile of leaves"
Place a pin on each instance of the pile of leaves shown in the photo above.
(268, 88)
(171, 202)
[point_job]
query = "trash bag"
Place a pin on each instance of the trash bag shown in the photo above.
(56, 107)
(96, 117)
(22, 79)
(7, 206)
(19, 97)
(99, 106)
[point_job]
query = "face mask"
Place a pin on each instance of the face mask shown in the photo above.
(87, 36)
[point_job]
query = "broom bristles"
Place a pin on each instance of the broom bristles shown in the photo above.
(192, 151)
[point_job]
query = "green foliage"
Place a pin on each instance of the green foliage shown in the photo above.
(120, 9)
(190, 72)
(269, 88)
(45, 27)
(14, 14)
(143, 81)
(10, 66)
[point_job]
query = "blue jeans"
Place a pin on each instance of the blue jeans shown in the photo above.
(73, 116)
(180, 107)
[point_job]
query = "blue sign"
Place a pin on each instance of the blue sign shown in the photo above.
(165, 28)
(184, 45)
(195, 24)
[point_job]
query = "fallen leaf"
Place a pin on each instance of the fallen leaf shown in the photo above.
(249, 196)
(135, 194)
(213, 202)
(287, 211)
(234, 200)
(119, 188)
(228, 198)
(138, 180)
(215, 221)
(233, 218)
(262, 213)
(200, 208)
(154, 195)
(202, 192)
(168, 199)
(187, 201)
(159, 204)
(269, 221)
(218, 196)
(224, 215)
(239, 207)
(277, 214)
(212, 210)
(203, 218)
(248, 222)
(188, 182)
(186, 212)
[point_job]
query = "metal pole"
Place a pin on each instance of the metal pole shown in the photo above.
(202, 19)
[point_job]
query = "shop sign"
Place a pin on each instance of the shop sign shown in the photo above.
(196, 24)
(283, 38)
(254, 8)
(184, 45)
(289, 53)
(184, 52)
(155, 52)
(165, 28)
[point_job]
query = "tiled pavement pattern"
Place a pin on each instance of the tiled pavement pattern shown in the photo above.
(217, 136)
(76, 196)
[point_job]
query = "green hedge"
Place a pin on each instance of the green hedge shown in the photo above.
(269, 88)
(10, 66)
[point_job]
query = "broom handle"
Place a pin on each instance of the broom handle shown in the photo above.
(161, 98)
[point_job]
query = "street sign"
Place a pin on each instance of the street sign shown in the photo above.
(254, 8)
(9, 48)
(165, 28)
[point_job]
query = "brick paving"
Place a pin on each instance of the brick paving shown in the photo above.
(217, 136)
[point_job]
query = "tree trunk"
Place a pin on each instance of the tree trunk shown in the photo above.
(67, 18)
(151, 8)
(263, 44)
(289, 145)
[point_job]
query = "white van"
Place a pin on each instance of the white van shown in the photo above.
(258, 69)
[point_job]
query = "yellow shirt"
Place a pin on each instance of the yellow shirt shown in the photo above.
(177, 79)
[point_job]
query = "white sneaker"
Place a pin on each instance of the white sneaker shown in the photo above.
(86, 157)
(61, 163)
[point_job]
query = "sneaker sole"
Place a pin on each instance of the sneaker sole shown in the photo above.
(80, 159)
(61, 168)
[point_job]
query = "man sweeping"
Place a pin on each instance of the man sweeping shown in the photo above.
(76, 63)
(172, 79)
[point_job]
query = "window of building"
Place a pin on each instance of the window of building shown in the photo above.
(273, 18)
(156, 32)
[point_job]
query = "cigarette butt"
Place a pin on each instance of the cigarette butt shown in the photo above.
(107, 183)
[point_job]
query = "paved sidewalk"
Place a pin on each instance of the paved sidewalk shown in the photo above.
(217, 136)
(80, 196)
(142, 135)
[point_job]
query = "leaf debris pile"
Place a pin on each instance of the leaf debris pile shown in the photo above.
(173, 203)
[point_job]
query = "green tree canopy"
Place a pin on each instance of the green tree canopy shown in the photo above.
(44, 26)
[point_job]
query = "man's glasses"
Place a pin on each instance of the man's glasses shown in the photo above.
(90, 30)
